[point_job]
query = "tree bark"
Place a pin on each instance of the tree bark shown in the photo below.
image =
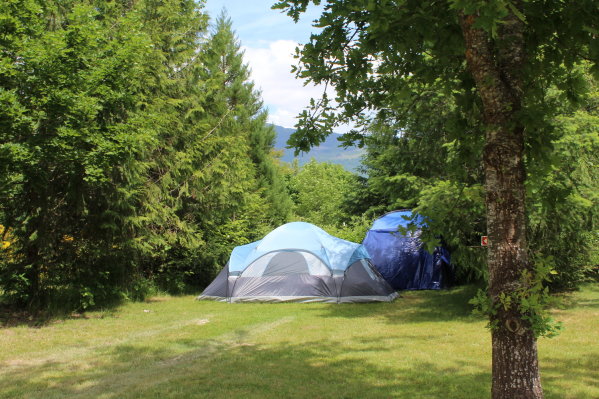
(495, 64)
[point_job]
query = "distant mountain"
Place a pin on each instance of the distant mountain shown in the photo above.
(329, 151)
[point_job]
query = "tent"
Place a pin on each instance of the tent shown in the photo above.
(400, 258)
(299, 262)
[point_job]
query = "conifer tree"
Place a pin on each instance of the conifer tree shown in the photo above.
(90, 114)
(246, 107)
(133, 150)
(237, 192)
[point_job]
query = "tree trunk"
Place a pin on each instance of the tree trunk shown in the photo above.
(495, 63)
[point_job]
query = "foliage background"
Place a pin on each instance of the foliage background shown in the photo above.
(135, 154)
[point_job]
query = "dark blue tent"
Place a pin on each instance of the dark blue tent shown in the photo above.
(401, 258)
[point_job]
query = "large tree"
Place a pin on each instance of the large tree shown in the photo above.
(435, 169)
(134, 149)
(90, 94)
(497, 58)
(242, 193)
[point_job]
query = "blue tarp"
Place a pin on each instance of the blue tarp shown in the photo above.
(401, 259)
(335, 253)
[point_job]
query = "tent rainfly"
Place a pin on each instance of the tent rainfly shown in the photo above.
(299, 262)
(400, 258)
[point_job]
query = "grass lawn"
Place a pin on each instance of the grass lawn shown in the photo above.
(423, 345)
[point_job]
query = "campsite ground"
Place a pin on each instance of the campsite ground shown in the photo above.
(424, 345)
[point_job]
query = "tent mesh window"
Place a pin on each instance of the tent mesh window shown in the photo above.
(285, 263)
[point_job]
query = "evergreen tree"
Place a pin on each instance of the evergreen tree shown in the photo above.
(132, 150)
(239, 193)
(89, 92)
(250, 116)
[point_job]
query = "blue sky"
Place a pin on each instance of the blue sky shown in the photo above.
(269, 38)
(257, 24)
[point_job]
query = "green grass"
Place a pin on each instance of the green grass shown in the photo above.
(424, 345)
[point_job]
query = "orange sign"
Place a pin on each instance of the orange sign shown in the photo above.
(484, 241)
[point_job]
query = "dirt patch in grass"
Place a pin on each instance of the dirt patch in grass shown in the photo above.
(155, 299)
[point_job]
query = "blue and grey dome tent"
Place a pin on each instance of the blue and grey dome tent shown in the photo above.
(299, 262)
(400, 258)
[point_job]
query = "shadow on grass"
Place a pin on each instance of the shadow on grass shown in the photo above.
(15, 318)
(234, 368)
(413, 307)
(10, 317)
(570, 300)
(584, 370)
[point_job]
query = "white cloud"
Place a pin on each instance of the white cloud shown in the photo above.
(282, 117)
(283, 94)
